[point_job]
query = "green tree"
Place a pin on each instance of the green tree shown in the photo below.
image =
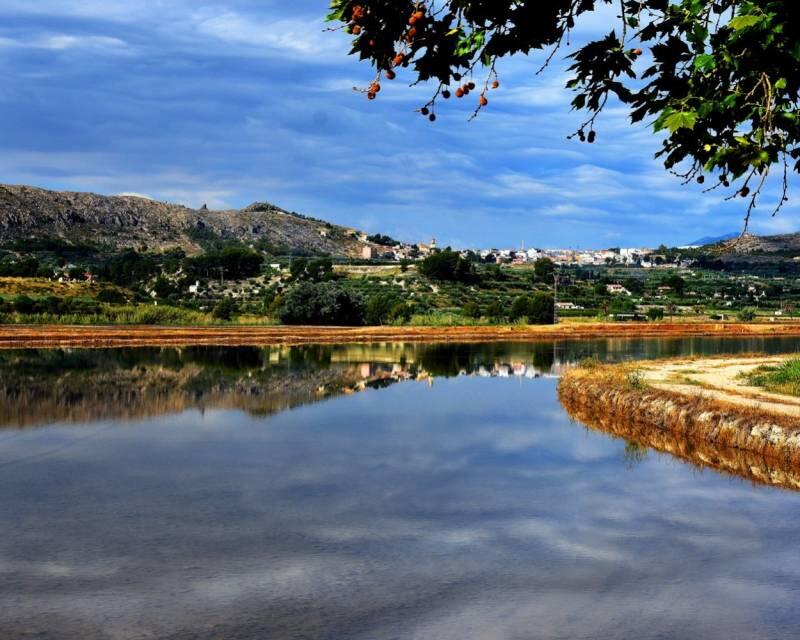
(497, 311)
(380, 308)
(224, 309)
(321, 303)
(448, 266)
(654, 314)
(111, 296)
(537, 309)
(677, 283)
(232, 262)
(718, 78)
(471, 310)
(314, 270)
(401, 312)
(544, 268)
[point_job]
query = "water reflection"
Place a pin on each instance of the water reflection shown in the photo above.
(467, 508)
(640, 437)
(39, 387)
(470, 509)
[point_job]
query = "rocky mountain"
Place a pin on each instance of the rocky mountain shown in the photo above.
(749, 244)
(128, 221)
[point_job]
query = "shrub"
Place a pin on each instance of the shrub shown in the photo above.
(379, 308)
(538, 308)
(111, 296)
(224, 309)
(322, 304)
(471, 310)
(747, 315)
(655, 314)
(401, 313)
(544, 268)
(315, 270)
(24, 304)
(636, 381)
(497, 311)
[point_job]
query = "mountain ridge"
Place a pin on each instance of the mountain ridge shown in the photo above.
(707, 240)
(28, 212)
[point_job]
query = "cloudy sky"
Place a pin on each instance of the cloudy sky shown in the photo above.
(234, 101)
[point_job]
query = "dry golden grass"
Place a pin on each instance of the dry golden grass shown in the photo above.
(47, 287)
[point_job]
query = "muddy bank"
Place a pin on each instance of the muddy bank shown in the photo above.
(695, 425)
(699, 453)
(43, 336)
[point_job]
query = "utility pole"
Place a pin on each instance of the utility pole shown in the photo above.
(222, 276)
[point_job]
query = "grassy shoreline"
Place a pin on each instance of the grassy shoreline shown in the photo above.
(42, 335)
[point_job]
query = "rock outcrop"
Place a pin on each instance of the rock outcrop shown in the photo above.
(130, 221)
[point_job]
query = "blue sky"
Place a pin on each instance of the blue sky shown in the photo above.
(226, 103)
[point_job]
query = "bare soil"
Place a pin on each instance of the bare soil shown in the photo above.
(42, 336)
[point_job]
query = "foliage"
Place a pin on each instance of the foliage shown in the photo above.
(52, 305)
(747, 315)
(314, 270)
(381, 308)
(784, 378)
(718, 78)
(496, 311)
(677, 283)
(536, 309)
(471, 310)
(383, 240)
(636, 381)
(544, 268)
(322, 304)
(26, 267)
(233, 262)
(111, 296)
(129, 268)
(225, 309)
(448, 266)
(655, 313)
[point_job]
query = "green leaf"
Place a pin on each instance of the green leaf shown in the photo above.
(780, 84)
(705, 62)
(680, 120)
(743, 22)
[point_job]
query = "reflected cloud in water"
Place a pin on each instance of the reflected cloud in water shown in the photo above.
(473, 508)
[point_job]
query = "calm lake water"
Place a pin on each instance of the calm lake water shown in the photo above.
(368, 492)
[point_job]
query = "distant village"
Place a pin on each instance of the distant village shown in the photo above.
(639, 257)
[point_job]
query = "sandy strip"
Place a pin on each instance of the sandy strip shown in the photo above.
(721, 379)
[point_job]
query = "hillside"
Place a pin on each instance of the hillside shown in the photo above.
(787, 243)
(127, 221)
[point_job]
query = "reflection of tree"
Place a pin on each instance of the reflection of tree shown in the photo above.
(634, 454)
(42, 386)
(641, 436)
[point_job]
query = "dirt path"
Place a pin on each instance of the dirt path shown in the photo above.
(42, 336)
(721, 379)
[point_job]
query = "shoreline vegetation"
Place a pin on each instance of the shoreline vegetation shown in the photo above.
(16, 336)
(702, 409)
